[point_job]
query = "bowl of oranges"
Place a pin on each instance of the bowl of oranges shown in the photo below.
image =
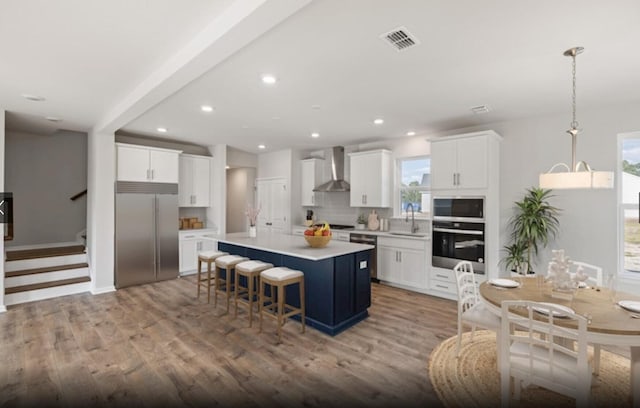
(318, 235)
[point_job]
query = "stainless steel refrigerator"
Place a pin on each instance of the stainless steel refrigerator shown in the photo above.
(146, 240)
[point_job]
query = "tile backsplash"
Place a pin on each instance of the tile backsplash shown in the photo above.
(336, 209)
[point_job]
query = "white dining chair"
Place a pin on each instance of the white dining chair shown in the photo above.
(538, 351)
(595, 279)
(593, 272)
(471, 309)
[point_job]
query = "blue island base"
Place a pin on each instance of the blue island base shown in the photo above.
(337, 289)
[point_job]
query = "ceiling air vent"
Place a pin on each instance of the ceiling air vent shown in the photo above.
(400, 38)
(480, 109)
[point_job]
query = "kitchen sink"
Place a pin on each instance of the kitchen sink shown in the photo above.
(408, 234)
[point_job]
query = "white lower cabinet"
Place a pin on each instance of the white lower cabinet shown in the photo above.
(442, 282)
(403, 262)
(190, 244)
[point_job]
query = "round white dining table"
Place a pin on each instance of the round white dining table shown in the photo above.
(609, 324)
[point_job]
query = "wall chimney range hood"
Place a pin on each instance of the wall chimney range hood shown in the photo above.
(337, 182)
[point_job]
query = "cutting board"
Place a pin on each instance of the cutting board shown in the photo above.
(374, 223)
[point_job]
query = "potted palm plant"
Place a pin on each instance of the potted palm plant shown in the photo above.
(533, 224)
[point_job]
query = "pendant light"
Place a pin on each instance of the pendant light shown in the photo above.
(580, 174)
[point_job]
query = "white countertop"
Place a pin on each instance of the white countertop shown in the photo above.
(197, 231)
(293, 245)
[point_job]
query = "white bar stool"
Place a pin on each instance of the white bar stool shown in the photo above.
(226, 263)
(279, 278)
(208, 257)
(251, 272)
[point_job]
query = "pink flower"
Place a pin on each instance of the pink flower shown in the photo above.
(252, 214)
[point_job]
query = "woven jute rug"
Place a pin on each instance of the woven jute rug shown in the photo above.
(472, 379)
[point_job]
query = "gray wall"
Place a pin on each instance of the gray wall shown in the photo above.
(43, 172)
(240, 191)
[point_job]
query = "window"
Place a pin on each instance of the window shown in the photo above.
(629, 205)
(414, 186)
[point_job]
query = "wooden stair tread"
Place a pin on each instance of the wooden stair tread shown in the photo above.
(44, 252)
(44, 285)
(32, 271)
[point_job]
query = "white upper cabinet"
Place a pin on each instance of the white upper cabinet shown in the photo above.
(371, 178)
(461, 162)
(147, 164)
(194, 186)
(311, 176)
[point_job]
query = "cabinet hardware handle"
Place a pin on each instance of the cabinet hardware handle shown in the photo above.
(442, 276)
(458, 231)
(454, 179)
(148, 175)
(442, 286)
(152, 175)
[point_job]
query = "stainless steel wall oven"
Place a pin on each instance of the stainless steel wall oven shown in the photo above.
(458, 232)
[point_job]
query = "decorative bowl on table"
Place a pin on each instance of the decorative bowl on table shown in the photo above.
(317, 241)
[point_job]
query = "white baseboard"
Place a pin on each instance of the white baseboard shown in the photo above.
(105, 289)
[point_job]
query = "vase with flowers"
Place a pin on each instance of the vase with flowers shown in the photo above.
(252, 215)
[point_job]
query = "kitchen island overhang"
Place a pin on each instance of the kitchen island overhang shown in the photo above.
(337, 277)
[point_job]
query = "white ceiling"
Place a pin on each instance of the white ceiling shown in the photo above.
(122, 65)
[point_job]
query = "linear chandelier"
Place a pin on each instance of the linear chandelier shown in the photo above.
(580, 174)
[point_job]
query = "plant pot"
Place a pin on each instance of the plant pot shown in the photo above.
(253, 231)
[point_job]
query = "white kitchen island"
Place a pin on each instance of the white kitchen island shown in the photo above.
(337, 277)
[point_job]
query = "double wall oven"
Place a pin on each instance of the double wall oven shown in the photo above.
(458, 232)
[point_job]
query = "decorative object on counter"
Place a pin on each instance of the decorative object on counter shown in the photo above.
(373, 224)
(318, 235)
(252, 215)
(532, 225)
(563, 283)
(309, 220)
(361, 222)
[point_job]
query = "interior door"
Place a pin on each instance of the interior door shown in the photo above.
(273, 198)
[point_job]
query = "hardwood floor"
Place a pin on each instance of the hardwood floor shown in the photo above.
(156, 345)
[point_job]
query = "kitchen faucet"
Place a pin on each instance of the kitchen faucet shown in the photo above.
(414, 227)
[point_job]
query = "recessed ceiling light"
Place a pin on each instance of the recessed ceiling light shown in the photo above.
(269, 79)
(52, 119)
(34, 98)
(227, 167)
(378, 121)
(262, 146)
(162, 130)
(315, 134)
(411, 133)
(206, 108)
